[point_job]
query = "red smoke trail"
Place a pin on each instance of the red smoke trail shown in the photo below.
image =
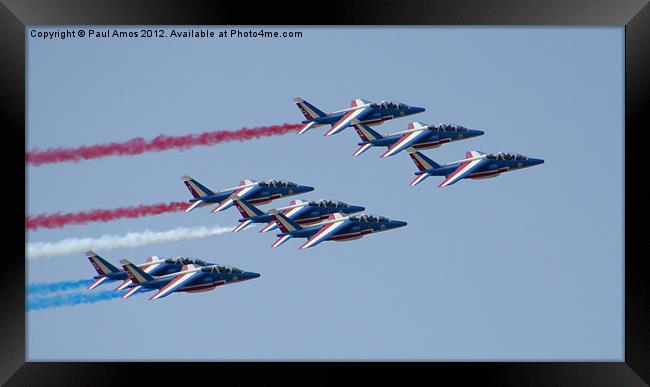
(59, 220)
(138, 145)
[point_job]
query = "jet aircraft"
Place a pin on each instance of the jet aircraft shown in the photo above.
(191, 278)
(417, 135)
(258, 192)
(337, 228)
(106, 272)
(369, 113)
(476, 165)
(301, 212)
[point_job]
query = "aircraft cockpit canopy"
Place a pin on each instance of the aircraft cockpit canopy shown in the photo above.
(389, 105)
(506, 156)
(369, 219)
(451, 128)
(278, 184)
(222, 269)
(186, 261)
(328, 204)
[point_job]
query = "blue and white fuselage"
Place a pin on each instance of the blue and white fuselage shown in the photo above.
(257, 192)
(476, 165)
(337, 228)
(417, 136)
(366, 112)
(302, 212)
(191, 278)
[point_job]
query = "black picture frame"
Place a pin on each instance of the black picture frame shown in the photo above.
(15, 15)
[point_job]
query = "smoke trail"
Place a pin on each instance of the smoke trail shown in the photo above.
(51, 287)
(138, 145)
(58, 219)
(108, 242)
(70, 299)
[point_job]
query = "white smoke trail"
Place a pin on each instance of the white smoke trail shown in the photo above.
(132, 239)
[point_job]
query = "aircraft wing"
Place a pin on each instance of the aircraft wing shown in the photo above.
(346, 120)
(176, 283)
(406, 141)
(463, 170)
(325, 232)
(243, 193)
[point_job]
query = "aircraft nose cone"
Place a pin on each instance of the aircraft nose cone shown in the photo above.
(536, 161)
(477, 133)
(357, 209)
(253, 275)
(398, 223)
(418, 110)
(306, 188)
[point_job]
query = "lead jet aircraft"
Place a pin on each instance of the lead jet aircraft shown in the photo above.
(417, 136)
(301, 212)
(476, 165)
(191, 278)
(369, 113)
(106, 272)
(258, 192)
(337, 228)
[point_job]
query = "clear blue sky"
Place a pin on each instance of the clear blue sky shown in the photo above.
(525, 266)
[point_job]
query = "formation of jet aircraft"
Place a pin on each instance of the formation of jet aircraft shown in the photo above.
(258, 192)
(416, 137)
(180, 274)
(316, 221)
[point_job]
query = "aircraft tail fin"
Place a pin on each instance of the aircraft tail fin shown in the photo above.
(197, 189)
(365, 132)
(367, 135)
(102, 266)
(246, 209)
(136, 274)
(285, 224)
(310, 111)
(421, 161)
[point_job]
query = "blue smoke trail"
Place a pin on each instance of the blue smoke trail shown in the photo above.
(69, 299)
(35, 288)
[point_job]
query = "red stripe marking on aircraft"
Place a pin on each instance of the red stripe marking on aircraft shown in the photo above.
(203, 286)
(483, 174)
(456, 172)
(346, 236)
(432, 144)
(340, 121)
(417, 162)
(310, 220)
(361, 133)
(169, 284)
(322, 230)
(397, 144)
